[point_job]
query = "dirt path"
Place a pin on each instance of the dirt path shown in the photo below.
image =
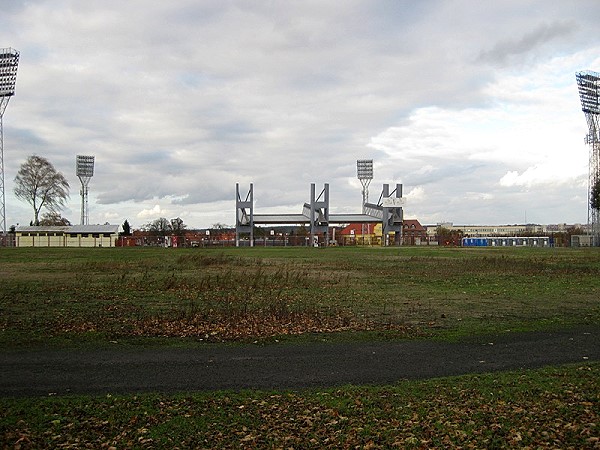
(60, 372)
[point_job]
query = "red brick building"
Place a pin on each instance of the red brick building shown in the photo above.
(413, 233)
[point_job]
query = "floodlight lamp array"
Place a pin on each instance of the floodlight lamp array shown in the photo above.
(588, 83)
(9, 62)
(85, 166)
(364, 169)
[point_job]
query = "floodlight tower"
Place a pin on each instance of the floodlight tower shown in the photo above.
(364, 170)
(85, 171)
(588, 84)
(9, 61)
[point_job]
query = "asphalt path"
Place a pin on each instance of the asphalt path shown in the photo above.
(283, 366)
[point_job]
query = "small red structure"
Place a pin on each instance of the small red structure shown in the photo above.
(413, 233)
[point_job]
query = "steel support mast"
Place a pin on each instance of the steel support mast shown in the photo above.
(588, 84)
(84, 171)
(9, 62)
(364, 172)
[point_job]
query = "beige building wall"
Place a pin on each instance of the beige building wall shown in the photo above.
(32, 238)
(489, 230)
(41, 240)
(91, 240)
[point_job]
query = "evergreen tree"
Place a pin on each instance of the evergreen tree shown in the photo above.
(595, 195)
(126, 228)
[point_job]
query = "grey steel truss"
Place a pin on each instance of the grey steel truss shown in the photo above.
(244, 212)
(319, 212)
(388, 211)
(393, 214)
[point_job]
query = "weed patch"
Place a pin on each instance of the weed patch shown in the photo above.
(547, 408)
(245, 293)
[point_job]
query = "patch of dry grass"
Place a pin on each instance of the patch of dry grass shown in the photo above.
(256, 293)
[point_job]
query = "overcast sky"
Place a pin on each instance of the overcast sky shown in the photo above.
(472, 105)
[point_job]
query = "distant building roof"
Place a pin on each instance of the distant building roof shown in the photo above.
(413, 224)
(74, 229)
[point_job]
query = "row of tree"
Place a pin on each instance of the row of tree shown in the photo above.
(165, 227)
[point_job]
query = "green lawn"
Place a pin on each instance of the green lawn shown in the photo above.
(62, 296)
(157, 296)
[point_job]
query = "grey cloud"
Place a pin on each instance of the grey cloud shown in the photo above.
(504, 51)
(180, 102)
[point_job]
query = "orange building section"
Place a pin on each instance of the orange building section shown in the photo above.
(370, 233)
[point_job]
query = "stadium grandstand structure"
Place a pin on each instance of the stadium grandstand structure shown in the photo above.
(315, 214)
(508, 241)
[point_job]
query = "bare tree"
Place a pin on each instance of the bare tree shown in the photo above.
(40, 185)
(178, 227)
(54, 219)
(159, 227)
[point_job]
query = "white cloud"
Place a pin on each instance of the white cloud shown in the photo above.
(415, 195)
(155, 212)
(542, 175)
(477, 196)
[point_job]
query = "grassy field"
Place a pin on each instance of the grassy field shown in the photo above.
(548, 408)
(156, 296)
(165, 296)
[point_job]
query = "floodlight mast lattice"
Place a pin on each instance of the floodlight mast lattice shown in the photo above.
(588, 84)
(85, 171)
(364, 171)
(9, 62)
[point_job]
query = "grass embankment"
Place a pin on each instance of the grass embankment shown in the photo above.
(548, 408)
(144, 295)
(66, 297)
